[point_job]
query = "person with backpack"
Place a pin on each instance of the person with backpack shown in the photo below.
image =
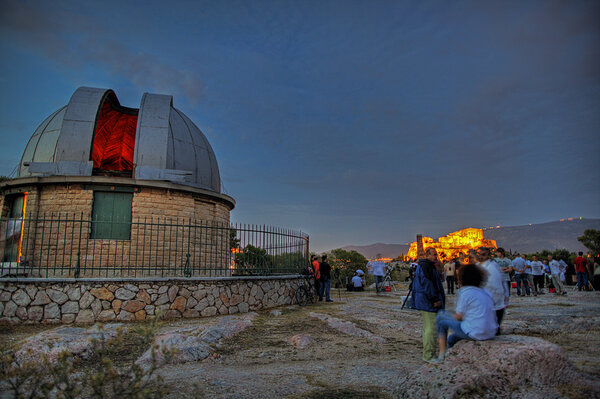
(428, 297)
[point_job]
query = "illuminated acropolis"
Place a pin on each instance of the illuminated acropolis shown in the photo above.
(454, 244)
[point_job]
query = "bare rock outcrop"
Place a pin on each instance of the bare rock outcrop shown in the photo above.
(75, 340)
(196, 343)
(509, 366)
(347, 327)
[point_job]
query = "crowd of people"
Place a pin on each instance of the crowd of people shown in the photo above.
(483, 280)
(485, 284)
(532, 277)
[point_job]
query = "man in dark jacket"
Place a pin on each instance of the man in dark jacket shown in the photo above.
(428, 297)
(325, 270)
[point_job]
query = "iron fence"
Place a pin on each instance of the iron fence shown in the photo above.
(67, 245)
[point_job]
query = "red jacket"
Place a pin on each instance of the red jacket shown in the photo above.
(580, 264)
(316, 269)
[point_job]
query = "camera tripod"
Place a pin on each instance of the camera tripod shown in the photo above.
(407, 296)
(387, 280)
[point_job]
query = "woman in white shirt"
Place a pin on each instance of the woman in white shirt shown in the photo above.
(475, 317)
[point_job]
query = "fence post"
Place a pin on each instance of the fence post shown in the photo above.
(187, 271)
(77, 265)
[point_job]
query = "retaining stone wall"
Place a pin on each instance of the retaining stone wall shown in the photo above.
(88, 301)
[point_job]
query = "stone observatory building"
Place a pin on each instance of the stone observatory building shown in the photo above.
(104, 190)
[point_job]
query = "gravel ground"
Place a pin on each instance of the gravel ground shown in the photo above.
(340, 361)
(260, 363)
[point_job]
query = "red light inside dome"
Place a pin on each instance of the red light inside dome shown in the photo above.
(114, 139)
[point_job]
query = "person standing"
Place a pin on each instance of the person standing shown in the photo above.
(563, 271)
(505, 269)
(518, 265)
(537, 271)
(529, 273)
(494, 282)
(317, 274)
(428, 297)
(450, 271)
(325, 280)
(555, 276)
(582, 272)
(378, 269)
(596, 275)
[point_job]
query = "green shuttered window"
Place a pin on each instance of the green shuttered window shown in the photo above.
(111, 215)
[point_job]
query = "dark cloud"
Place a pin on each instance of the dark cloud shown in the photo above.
(73, 39)
(362, 121)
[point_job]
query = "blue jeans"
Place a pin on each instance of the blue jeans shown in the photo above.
(445, 322)
(378, 283)
(582, 278)
(325, 286)
(522, 278)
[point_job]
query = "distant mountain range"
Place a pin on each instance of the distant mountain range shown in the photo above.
(526, 239)
(537, 237)
(379, 249)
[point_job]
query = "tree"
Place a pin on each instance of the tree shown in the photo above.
(252, 260)
(563, 254)
(591, 240)
(344, 263)
(234, 242)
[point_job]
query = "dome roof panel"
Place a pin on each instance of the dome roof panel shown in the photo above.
(168, 145)
(204, 163)
(33, 151)
(46, 146)
(192, 152)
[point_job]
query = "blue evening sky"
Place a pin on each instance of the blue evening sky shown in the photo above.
(354, 121)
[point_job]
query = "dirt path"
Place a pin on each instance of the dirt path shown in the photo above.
(359, 346)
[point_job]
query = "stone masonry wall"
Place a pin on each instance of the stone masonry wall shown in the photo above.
(88, 301)
(151, 202)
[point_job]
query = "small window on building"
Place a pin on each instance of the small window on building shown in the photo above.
(111, 215)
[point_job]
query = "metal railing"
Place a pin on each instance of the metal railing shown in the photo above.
(61, 245)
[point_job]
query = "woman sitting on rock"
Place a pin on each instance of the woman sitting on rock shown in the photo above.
(475, 317)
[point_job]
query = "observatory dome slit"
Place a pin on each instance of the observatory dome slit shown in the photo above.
(114, 138)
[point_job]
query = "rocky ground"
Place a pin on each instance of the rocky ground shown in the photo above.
(363, 345)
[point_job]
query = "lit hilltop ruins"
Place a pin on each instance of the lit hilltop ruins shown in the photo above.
(452, 245)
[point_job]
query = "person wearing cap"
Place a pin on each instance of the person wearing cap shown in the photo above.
(358, 283)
